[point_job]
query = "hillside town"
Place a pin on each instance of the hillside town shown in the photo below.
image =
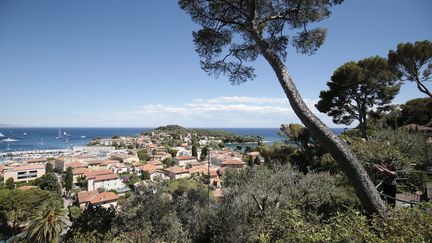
(110, 168)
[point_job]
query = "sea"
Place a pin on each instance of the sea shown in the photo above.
(45, 138)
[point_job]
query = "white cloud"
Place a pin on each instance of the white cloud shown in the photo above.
(226, 111)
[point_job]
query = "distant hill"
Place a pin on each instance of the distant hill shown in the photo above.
(217, 134)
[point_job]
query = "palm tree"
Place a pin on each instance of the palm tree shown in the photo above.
(47, 223)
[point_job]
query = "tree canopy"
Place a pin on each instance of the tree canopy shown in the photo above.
(226, 41)
(68, 180)
(355, 88)
(413, 62)
(48, 182)
(418, 111)
(234, 33)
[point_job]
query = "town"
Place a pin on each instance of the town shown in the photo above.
(109, 169)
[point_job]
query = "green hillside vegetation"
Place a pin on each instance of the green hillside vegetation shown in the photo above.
(226, 137)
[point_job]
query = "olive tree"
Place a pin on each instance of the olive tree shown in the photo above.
(235, 33)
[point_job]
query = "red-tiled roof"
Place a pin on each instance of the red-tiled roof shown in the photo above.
(80, 171)
(104, 197)
(136, 164)
(232, 162)
(148, 167)
(92, 173)
(120, 165)
(154, 162)
(37, 160)
(28, 167)
(199, 169)
(105, 177)
(94, 197)
(176, 170)
(185, 157)
(76, 165)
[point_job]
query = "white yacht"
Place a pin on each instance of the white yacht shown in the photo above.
(9, 140)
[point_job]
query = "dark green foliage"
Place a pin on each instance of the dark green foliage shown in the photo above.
(10, 184)
(94, 218)
(48, 182)
(168, 162)
(277, 153)
(68, 179)
(142, 154)
(413, 62)
(295, 133)
(204, 153)
(145, 175)
(75, 212)
(257, 160)
(172, 152)
(355, 88)
(150, 215)
(226, 40)
(49, 168)
(47, 223)
(194, 151)
(418, 111)
(82, 183)
(17, 206)
(227, 137)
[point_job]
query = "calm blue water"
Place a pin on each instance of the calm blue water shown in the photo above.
(45, 138)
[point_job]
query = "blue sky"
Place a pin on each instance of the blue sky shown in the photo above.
(112, 63)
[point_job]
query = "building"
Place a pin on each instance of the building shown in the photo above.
(158, 175)
(154, 170)
(155, 163)
(121, 141)
(104, 199)
(93, 149)
(24, 173)
(233, 163)
(79, 172)
(101, 164)
(62, 162)
(182, 161)
(37, 161)
(161, 155)
(120, 168)
(176, 172)
(125, 158)
(105, 179)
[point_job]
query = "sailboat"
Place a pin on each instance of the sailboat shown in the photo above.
(1, 135)
(67, 139)
(41, 142)
(59, 135)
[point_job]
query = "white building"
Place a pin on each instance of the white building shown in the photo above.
(182, 161)
(24, 173)
(107, 180)
(176, 172)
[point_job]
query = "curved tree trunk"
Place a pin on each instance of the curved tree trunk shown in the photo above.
(340, 151)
